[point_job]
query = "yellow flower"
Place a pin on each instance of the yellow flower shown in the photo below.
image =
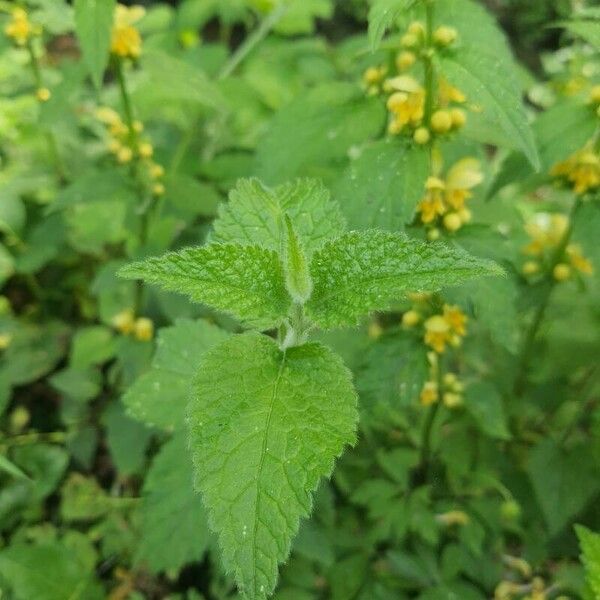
(578, 261)
(456, 319)
(429, 393)
(374, 75)
(545, 231)
(107, 115)
(145, 150)
(126, 40)
(124, 321)
(407, 102)
(437, 333)
(143, 329)
(43, 94)
(422, 136)
(441, 121)
(432, 204)
(124, 155)
(448, 93)
(20, 29)
(444, 35)
(410, 318)
(582, 171)
(561, 272)
(405, 60)
(531, 267)
(452, 400)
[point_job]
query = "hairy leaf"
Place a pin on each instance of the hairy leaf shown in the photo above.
(159, 397)
(297, 278)
(265, 426)
(93, 24)
(253, 213)
(590, 556)
(361, 272)
(174, 530)
(382, 186)
(246, 282)
(490, 84)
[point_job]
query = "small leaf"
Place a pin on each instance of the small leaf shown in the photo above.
(490, 84)
(297, 277)
(93, 25)
(246, 282)
(265, 426)
(590, 556)
(253, 213)
(361, 272)
(174, 530)
(382, 15)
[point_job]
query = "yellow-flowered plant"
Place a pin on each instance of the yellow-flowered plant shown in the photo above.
(546, 233)
(406, 100)
(20, 29)
(125, 145)
(126, 41)
(581, 171)
(445, 200)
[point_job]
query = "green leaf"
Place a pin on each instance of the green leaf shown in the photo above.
(253, 213)
(382, 186)
(484, 402)
(297, 277)
(588, 30)
(93, 25)
(317, 129)
(265, 427)
(590, 556)
(301, 15)
(48, 571)
(246, 282)
(173, 527)
(490, 84)
(382, 15)
(159, 397)
(361, 272)
(8, 467)
(564, 481)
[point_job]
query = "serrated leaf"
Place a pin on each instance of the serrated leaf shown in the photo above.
(381, 188)
(361, 272)
(382, 15)
(253, 213)
(265, 426)
(590, 556)
(297, 277)
(159, 397)
(173, 528)
(246, 282)
(93, 25)
(490, 84)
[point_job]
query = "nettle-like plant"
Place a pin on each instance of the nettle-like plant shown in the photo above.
(269, 414)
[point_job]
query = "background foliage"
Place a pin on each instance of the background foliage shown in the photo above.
(476, 470)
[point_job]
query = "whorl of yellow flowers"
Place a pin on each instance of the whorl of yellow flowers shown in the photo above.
(126, 41)
(20, 29)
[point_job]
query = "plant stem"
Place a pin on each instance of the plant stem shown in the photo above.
(531, 335)
(426, 439)
(428, 60)
(33, 438)
(49, 134)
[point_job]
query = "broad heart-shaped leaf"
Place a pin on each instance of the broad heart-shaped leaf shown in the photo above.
(590, 556)
(361, 272)
(173, 528)
(382, 186)
(382, 15)
(93, 24)
(490, 84)
(254, 211)
(159, 397)
(265, 426)
(246, 282)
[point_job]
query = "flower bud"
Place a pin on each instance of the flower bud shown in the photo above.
(143, 329)
(444, 36)
(561, 272)
(459, 118)
(43, 94)
(405, 60)
(441, 121)
(410, 318)
(452, 222)
(422, 136)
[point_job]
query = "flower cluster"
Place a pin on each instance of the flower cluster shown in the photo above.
(581, 171)
(444, 203)
(126, 41)
(20, 29)
(546, 232)
(407, 97)
(141, 328)
(451, 391)
(125, 145)
(439, 330)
